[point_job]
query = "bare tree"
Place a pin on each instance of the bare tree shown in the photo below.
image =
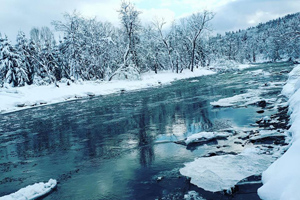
(196, 24)
(130, 20)
(158, 24)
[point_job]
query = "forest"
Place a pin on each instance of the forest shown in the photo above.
(95, 50)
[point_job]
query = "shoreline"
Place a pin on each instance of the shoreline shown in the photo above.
(20, 98)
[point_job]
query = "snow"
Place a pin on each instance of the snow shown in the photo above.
(282, 179)
(222, 173)
(250, 97)
(192, 195)
(11, 99)
(205, 136)
(32, 191)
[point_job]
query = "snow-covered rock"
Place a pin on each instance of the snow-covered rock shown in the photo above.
(205, 136)
(32, 191)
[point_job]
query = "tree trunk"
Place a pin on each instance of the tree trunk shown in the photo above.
(193, 56)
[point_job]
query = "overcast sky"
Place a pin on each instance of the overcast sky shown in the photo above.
(22, 15)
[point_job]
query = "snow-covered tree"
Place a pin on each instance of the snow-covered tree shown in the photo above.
(11, 69)
(129, 17)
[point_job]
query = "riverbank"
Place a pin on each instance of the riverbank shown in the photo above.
(281, 180)
(18, 98)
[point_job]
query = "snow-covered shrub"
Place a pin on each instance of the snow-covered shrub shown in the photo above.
(127, 73)
(222, 65)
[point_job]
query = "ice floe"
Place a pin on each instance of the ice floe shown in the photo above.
(34, 191)
(222, 173)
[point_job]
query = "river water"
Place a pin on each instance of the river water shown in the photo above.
(117, 146)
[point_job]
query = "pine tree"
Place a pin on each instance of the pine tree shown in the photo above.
(11, 68)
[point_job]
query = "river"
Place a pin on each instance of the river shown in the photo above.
(118, 146)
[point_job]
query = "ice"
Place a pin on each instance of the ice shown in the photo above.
(282, 179)
(205, 136)
(49, 94)
(221, 173)
(250, 97)
(32, 191)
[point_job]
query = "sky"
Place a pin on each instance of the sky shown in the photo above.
(230, 15)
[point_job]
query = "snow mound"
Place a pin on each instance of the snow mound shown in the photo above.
(32, 191)
(221, 173)
(205, 136)
(250, 97)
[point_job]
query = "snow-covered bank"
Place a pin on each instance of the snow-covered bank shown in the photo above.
(282, 179)
(12, 99)
(32, 191)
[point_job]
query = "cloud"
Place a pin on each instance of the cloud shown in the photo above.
(242, 14)
(22, 15)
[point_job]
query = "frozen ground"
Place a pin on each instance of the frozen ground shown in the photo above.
(12, 99)
(34, 191)
(282, 179)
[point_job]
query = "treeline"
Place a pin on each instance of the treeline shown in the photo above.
(275, 40)
(93, 50)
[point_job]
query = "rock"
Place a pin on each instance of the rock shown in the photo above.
(238, 142)
(260, 111)
(262, 103)
(78, 96)
(296, 62)
(90, 94)
(268, 139)
(284, 71)
(20, 105)
(219, 153)
(42, 102)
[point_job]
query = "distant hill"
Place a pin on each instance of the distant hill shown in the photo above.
(273, 40)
